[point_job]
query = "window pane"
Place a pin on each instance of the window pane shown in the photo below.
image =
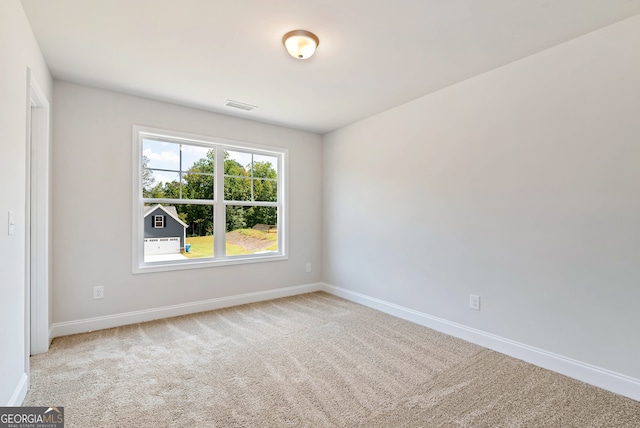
(187, 232)
(237, 163)
(251, 230)
(197, 186)
(197, 159)
(265, 166)
(237, 189)
(160, 155)
(160, 184)
(200, 231)
(265, 190)
(162, 164)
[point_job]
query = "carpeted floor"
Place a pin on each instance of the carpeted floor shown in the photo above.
(313, 360)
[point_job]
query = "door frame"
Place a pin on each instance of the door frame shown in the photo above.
(37, 222)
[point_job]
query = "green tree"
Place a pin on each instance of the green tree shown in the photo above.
(265, 182)
(237, 181)
(171, 189)
(199, 178)
(265, 189)
(147, 178)
(235, 218)
(261, 215)
(237, 187)
(198, 184)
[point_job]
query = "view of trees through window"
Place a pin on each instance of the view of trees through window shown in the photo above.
(182, 178)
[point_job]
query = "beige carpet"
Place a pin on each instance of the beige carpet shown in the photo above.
(313, 360)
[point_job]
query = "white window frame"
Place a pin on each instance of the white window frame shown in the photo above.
(161, 222)
(218, 202)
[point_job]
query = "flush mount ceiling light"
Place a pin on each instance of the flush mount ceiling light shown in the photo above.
(300, 44)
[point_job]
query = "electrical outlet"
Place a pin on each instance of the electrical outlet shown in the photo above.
(308, 267)
(98, 292)
(474, 302)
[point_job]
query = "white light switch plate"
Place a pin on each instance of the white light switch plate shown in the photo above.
(474, 302)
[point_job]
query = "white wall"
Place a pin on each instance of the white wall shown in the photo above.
(92, 130)
(18, 51)
(521, 185)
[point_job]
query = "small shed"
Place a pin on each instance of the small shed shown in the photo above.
(164, 232)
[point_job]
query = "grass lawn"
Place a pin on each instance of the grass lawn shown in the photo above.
(201, 246)
(242, 241)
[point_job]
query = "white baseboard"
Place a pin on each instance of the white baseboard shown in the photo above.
(602, 378)
(20, 392)
(109, 321)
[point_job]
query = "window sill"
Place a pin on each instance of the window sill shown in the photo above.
(166, 266)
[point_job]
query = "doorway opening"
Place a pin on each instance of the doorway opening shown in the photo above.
(37, 221)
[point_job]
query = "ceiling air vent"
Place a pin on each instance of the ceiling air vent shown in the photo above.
(239, 105)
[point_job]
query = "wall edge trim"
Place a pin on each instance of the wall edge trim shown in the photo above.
(20, 391)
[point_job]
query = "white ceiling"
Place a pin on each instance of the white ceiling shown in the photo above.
(373, 54)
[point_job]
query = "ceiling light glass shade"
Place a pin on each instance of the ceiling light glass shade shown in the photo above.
(300, 44)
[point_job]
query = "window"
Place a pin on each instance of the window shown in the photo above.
(158, 221)
(201, 201)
